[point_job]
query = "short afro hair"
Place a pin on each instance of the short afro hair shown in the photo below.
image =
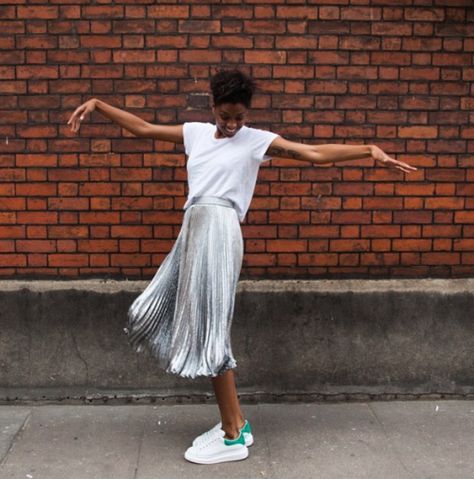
(232, 86)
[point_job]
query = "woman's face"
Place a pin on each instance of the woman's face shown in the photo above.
(230, 118)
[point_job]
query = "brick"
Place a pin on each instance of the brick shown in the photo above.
(232, 41)
(464, 217)
(232, 11)
(296, 42)
(349, 245)
(65, 260)
(200, 56)
(134, 56)
(289, 217)
(164, 189)
(350, 217)
(380, 231)
(68, 204)
(37, 12)
(318, 231)
(294, 11)
(265, 56)
(411, 245)
(99, 188)
(131, 203)
(12, 260)
(168, 11)
(382, 203)
(163, 217)
(264, 26)
(70, 231)
(286, 246)
(97, 246)
(37, 71)
(412, 217)
(444, 203)
(260, 259)
(35, 189)
(293, 71)
(199, 26)
(414, 189)
(12, 231)
(35, 246)
(440, 258)
(315, 259)
(382, 259)
(445, 174)
(290, 188)
(131, 174)
(99, 217)
(12, 174)
(444, 231)
(353, 188)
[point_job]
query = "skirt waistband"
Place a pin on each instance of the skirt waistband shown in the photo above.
(212, 200)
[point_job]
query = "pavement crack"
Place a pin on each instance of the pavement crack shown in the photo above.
(139, 452)
(267, 443)
(16, 438)
(76, 348)
(396, 454)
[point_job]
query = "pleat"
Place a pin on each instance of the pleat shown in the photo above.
(184, 316)
(150, 316)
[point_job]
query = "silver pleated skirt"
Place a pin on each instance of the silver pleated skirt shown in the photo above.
(184, 315)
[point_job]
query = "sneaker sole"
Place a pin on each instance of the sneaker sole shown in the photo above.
(235, 455)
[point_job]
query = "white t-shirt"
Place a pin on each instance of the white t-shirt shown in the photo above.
(224, 167)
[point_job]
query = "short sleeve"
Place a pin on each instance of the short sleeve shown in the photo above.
(261, 140)
(190, 134)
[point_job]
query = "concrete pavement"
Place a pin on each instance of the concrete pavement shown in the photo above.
(388, 439)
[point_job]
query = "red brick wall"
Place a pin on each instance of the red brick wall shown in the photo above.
(106, 204)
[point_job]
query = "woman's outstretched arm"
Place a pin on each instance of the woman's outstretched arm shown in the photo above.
(131, 123)
(331, 153)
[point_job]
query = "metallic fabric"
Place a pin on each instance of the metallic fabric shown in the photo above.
(184, 315)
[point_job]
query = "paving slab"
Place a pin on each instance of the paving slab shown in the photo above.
(365, 440)
(432, 439)
(75, 442)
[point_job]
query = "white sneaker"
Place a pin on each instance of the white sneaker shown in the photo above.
(218, 449)
(217, 431)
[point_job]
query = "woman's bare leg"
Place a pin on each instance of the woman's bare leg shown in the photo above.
(229, 406)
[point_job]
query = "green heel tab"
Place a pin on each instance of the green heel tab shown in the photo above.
(247, 429)
(238, 440)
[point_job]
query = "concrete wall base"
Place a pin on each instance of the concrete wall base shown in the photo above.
(320, 339)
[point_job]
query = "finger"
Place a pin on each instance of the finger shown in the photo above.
(78, 111)
(75, 113)
(407, 166)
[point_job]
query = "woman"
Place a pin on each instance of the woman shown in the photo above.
(184, 315)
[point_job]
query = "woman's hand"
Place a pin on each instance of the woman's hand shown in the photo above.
(382, 157)
(81, 111)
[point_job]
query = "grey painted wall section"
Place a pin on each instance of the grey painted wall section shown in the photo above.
(65, 339)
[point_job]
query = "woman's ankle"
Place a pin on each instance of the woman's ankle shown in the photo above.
(231, 433)
(232, 428)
